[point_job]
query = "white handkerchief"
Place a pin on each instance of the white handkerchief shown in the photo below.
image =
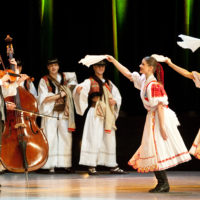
(159, 58)
(92, 59)
(189, 42)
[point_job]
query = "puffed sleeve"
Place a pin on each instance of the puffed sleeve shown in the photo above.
(71, 78)
(81, 100)
(196, 79)
(44, 108)
(117, 97)
(138, 80)
(156, 94)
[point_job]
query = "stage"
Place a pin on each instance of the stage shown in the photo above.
(79, 185)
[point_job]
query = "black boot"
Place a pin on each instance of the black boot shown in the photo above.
(163, 185)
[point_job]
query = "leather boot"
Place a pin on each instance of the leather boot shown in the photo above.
(163, 185)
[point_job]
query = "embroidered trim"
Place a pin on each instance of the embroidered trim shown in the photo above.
(160, 169)
(47, 83)
(144, 169)
(194, 145)
(171, 158)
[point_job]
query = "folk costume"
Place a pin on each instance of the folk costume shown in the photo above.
(98, 140)
(58, 131)
(195, 149)
(155, 153)
(193, 44)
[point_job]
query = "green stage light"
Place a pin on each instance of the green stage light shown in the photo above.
(118, 15)
(188, 15)
(121, 11)
(46, 28)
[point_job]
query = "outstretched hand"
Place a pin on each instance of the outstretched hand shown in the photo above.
(168, 61)
(110, 58)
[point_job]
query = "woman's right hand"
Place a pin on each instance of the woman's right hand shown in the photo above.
(168, 61)
(110, 58)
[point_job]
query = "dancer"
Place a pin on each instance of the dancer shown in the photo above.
(162, 146)
(195, 76)
(98, 141)
(55, 99)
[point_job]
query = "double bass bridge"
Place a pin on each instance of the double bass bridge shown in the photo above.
(18, 125)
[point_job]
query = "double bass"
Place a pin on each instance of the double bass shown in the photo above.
(24, 147)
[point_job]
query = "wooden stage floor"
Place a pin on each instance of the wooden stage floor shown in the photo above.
(81, 186)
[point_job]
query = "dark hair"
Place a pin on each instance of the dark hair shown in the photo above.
(19, 62)
(52, 61)
(151, 62)
(101, 63)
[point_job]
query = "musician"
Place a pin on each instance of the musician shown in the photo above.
(55, 99)
(6, 90)
(27, 84)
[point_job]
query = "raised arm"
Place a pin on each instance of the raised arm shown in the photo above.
(180, 70)
(120, 67)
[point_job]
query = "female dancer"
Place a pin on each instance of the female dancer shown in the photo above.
(162, 146)
(195, 76)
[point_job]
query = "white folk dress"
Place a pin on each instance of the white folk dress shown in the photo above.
(195, 149)
(155, 153)
(56, 131)
(98, 147)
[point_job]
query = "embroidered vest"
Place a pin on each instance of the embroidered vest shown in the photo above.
(59, 105)
(95, 88)
(48, 84)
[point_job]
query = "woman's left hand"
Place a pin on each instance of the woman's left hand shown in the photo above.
(163, 133)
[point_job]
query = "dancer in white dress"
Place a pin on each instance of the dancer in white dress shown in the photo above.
(162, 146)
(98, 141)
(195, 76)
